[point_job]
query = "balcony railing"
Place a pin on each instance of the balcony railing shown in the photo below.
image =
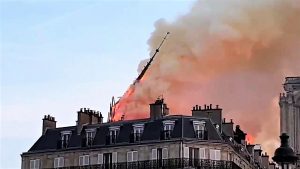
(175, 163)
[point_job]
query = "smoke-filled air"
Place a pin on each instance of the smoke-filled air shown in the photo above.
(232, 53)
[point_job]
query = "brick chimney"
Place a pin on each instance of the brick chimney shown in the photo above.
(214, 113)
(48, 123)
(87, 116)
(158, 109)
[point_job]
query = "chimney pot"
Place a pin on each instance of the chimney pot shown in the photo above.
(199, 107)
(210, 106)
(196, 107)
(231, 121)
(217, 106)
(205, 107)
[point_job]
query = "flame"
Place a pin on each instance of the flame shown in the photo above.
(250, 139)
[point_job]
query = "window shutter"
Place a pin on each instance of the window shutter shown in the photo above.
(61, 162)
(186, 152)
(129, 156)
(165, 153)
(37, 163)
(86, 160)
(202, 153)
(114, 157)
(134, 156)
(154, 154)
(100, 158)
(217, 155)
(212, 154)
(32, 164)
(55, 162)
(81, 161)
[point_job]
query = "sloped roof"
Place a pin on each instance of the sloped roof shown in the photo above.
(183, 129)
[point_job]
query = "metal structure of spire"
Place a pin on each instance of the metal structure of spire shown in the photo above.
(113, 104)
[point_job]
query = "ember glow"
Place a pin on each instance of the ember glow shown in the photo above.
(250, 139)
(231, 53)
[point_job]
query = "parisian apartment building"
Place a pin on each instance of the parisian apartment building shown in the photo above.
(203, 140)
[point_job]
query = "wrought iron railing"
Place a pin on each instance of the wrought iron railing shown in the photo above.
(175, 163)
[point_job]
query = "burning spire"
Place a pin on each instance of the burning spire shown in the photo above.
(115, 112)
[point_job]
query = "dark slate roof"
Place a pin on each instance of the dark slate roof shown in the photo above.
(183, 129)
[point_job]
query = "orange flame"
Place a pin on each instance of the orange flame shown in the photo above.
(250, 139)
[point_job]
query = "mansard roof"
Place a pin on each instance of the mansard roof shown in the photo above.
(183, 130)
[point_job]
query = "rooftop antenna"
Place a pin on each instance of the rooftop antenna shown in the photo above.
(112, 111)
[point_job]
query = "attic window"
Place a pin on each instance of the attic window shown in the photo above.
(138, 130)
(90, 134)
(65, 138)
(113, 134)
(199, 128)
(168, 128)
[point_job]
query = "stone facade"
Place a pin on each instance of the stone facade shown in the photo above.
(290, 111)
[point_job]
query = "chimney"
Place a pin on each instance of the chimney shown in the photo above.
(239, 135)
(227, 128)
(48, 123)
(265, 160)
(257, 154)
(214, 113)
(158, 109)
(87, 116)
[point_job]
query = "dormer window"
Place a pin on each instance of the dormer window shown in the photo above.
(168, 128)
(199, 128)
(65, 138)
(138, 130)
(90, 135)
(113, 134)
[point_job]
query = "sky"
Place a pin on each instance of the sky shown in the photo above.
(59, 56)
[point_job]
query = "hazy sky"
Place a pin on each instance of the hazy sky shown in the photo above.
(59, 56)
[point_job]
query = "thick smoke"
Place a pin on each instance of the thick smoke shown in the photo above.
(231, 53)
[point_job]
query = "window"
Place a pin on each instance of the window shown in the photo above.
(65, 137)
(114, 157)
(199, 128)
(165, 153)
(186, 153)
(100, 159)
(84, 160)
(202, 153)
(215, 154)
(90, 134)
(35, 164)
(168, 127)
(132, 156)
(113, 134)
(154, 154)
(138, 130)
(58, 162)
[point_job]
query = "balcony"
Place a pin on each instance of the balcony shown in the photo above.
(175, 163)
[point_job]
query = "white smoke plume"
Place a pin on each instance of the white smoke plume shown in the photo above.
(231, 53)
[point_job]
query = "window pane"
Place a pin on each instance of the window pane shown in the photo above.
(218, 155)
(154, 154)
(212, 154)
(100, 158)
(135, 156)
(165, 153)
(114, 157)
(186, 152)
(37, 163)
(81, 160)
(129, 156)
